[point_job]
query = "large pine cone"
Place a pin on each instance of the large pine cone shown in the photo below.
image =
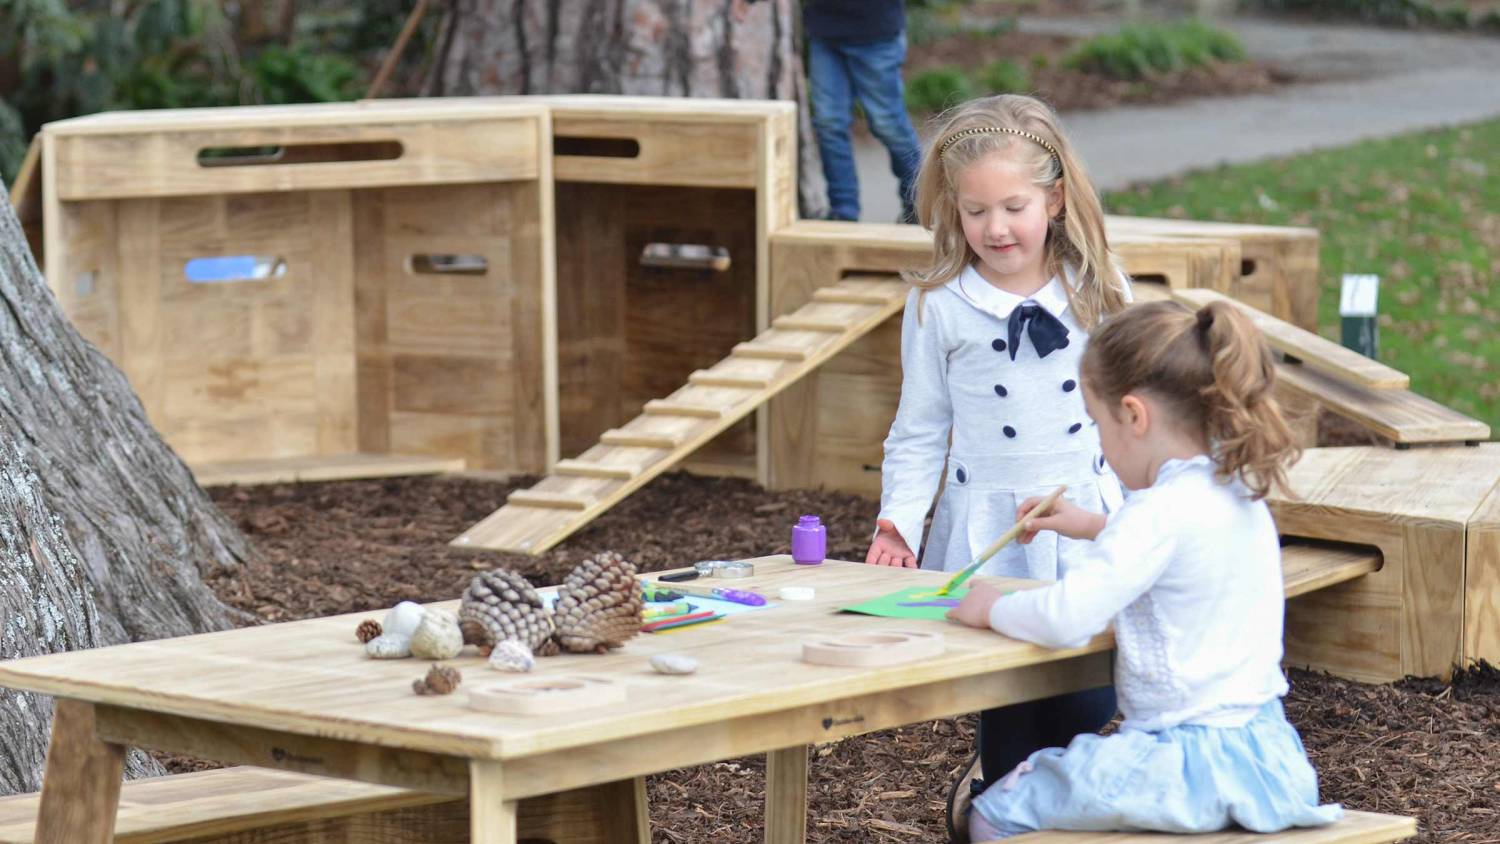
(598, 605)
(500, 605)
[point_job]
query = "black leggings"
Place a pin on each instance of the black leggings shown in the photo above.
(1010, 734)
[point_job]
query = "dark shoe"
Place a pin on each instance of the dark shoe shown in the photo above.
(959, 798)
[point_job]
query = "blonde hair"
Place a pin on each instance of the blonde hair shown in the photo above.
(1029, 131)
(1212, 369)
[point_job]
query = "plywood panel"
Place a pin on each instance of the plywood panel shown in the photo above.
(1482, 582)
(100, 165)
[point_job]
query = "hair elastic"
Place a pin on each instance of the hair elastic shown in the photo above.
(1002, 130)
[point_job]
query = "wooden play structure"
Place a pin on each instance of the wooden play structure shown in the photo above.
(605, 288)
(301, 699)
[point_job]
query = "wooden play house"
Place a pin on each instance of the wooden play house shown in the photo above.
(290, 282)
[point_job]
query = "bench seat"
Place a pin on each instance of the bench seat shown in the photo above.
(1355, 828)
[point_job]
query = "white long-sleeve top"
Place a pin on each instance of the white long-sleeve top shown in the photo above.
(1189, 571)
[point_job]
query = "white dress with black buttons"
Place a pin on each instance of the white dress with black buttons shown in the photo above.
(1018, 426)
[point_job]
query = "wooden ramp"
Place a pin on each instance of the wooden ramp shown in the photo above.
(1351, 385)
(580, 489)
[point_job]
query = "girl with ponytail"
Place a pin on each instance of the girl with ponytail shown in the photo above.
(1188, 571)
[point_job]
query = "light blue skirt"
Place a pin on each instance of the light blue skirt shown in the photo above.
(1182, 779)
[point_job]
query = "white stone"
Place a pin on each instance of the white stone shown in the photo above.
(674, 664)
(512, 655)
(388, 647)
(403, 619)
(437, 636)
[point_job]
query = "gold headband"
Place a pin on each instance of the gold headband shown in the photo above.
(989, 130)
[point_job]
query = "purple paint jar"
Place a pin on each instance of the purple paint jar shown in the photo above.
(809, 541)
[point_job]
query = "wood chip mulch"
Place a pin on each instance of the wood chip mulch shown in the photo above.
(1419, 747)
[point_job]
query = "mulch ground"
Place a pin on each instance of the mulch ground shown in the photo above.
(1420, 747)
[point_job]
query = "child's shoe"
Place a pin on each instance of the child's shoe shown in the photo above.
(959, 798)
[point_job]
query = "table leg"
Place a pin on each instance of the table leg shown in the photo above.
(81, 786)
(492, 818)
(622, 805)
(786, 795)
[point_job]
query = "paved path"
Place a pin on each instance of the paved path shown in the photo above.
(1372, 83)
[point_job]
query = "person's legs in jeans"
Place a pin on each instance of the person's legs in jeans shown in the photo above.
(833, 106)
(876, 71)
(1010, 734)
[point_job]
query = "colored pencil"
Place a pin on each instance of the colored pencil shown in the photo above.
(664, 623)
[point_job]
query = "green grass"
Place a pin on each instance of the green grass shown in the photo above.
(1421, 211)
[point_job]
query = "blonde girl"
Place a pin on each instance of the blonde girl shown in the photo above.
(990, 345)
(1188, 571)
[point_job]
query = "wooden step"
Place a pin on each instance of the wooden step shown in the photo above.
(1308, 567)
(639, 439)
(808, 323)
(1400, 416)
(664, 407)
(550, 500)
(848, 297)
(1315, 352)
(588, 469)
(706, 378)
(768, 352)
(1355, 828)
(690, 415)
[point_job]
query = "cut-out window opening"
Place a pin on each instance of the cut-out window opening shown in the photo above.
(85, 283)
(1247, 266)
(596, 147)
(850, 273)
(436, 264)
(231, 268)
(251, 156)
(685, 256)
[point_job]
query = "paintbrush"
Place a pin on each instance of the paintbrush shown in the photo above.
(1015, 531)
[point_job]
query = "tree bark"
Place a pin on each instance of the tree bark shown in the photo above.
(104, 535)
(675, 48)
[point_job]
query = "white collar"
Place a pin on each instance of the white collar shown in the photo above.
(972, 288)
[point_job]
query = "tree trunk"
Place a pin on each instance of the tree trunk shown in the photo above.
(104, 535)
(681, 48)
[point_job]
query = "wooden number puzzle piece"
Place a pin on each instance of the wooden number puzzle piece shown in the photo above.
(888, 647)
(538, 695)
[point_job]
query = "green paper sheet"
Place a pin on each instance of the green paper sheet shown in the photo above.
(916, 602)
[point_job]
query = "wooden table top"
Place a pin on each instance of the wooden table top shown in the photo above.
(313, 678)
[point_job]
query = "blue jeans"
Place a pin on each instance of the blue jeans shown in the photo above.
(1010, 734)
(839, 73)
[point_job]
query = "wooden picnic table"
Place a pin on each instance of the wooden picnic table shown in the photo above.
(303, 696)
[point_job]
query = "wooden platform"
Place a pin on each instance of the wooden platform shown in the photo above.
(1435, 601)
(343, 467)
(580, 489)
(1355, 828)
(1277, 271)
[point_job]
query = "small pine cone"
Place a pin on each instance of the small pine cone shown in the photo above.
(367, 630)
(598, 605)
(500, 605)
(440, 680)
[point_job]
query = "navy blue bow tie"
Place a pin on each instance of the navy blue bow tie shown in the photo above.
(1046, 331)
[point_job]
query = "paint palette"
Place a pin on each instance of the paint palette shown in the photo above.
(886, 647)
(541, 695)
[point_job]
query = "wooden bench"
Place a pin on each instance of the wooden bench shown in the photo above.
(1355, 828)
(248, 805)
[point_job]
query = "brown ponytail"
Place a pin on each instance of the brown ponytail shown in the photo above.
(1213, 369)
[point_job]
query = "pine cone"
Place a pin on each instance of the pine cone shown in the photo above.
(500, 605)
(367, 630)
(598, 605)
(440, 680)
